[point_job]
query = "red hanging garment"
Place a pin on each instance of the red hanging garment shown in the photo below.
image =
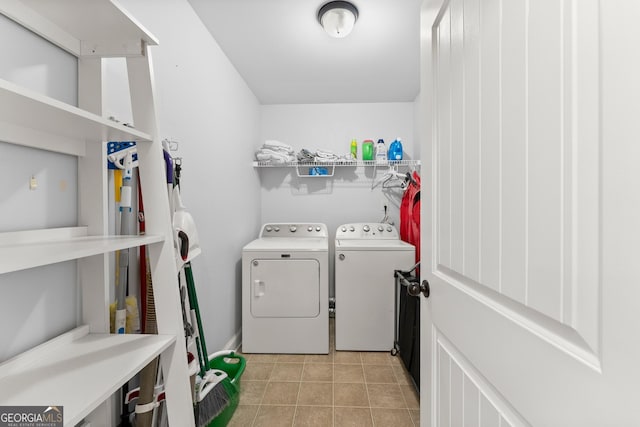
(410, 215)
(415, 219)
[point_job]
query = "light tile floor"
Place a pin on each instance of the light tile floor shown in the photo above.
(339, 389)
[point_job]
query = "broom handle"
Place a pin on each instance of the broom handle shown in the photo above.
(193, 301)
(192, 321)
(142, 259)
(123, 257)
(123, 268)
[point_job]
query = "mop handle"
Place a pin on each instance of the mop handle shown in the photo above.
(193, 301)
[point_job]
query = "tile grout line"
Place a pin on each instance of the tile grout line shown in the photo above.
(295, 408)
(255, 418)
(333, 394)
(366, 388)
(400, 377)
(406, 404)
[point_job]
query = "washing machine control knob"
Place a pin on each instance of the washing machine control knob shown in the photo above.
(293, 228)
(344, 229)
(276, 229)
(268, 228)
(366, 228)
(389, 229)
(380, 228)
(318, 229)
(352, 228)
(309, 228)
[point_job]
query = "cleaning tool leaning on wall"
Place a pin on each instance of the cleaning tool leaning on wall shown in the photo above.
(214, 397)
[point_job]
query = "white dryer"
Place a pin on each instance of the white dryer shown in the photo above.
(285, 290)
(366, 255)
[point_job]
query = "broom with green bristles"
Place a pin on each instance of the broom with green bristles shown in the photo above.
(211, 398)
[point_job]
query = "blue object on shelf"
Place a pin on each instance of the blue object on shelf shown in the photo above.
(318, 171)
(395, 150)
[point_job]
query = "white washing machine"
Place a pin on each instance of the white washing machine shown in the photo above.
(285, 290)
(366, 255)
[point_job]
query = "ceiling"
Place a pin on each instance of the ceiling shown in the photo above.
(285, 56)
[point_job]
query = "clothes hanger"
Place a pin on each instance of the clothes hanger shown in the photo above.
(395, 181)
(374, 182)
(390, 175)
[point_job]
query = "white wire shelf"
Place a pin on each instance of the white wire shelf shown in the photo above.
(339, 163)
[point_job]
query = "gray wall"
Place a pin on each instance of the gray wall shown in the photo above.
(40, 303)
(204, 104)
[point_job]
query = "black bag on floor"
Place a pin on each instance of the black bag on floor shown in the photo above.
(409, 334)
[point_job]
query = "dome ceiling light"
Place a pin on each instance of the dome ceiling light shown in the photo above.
(338, 18)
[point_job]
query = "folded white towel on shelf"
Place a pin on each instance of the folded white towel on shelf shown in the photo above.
(276, 152)
(277, 146)
(273, 156)
(326, 156)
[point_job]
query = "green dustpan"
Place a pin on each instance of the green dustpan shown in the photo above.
(233, 365)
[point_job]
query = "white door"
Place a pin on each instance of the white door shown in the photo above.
(530, 127)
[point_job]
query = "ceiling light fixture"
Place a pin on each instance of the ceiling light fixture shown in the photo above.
(338, 18)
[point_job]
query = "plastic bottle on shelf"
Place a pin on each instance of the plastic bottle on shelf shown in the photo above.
(354, 149)
(381, 151)
(367, 149)
(395, 150)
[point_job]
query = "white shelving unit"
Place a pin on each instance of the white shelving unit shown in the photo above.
(82, 368)
(35, 248)
(60, 127)
(82, 360)
(302, 168)
(345, 163)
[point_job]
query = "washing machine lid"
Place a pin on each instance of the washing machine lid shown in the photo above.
(373, 245)
(267, 244)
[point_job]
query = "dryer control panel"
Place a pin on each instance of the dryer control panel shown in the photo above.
(367, 230)
(300, 230)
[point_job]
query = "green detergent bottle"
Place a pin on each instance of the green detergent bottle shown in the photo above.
(367, 149)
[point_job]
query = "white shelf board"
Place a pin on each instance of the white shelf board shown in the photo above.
(28, 249)
(31, 119)
(65, 23)
(77, 370)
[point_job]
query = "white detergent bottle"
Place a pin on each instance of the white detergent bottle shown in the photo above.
(381, 152)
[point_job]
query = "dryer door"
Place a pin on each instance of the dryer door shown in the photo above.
(285, 288)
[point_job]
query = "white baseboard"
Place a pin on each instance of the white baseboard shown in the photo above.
(235, 342)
